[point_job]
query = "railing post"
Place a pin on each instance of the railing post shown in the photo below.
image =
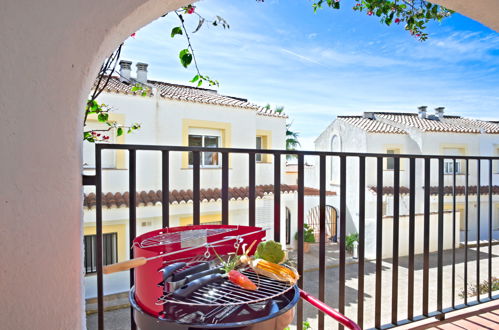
(132, 169)
(322, 236)
(412, 227)
(426, 240)
(196, 196)
(395, 259)
(362, 240)
(301, 222)
(478, 192)
(440, 233)
(165, 198)
(466, 213)
(490, 229)
(379, 241)
(251, 189)
(277, 197)
(454, 233)
(225, 188)
(343, 206)
(98, 229)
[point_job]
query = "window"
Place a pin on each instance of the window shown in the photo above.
(204, 133)
(449, 166)
(110, 251)
(390, 161)
(496, 161)
(259, 141)
(208, 141)
(263, 141)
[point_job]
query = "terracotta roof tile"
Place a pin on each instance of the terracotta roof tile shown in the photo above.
(149, 198)
(460, 190)
(484, 126)
(426, 125)
(371, 125)
(191, 94)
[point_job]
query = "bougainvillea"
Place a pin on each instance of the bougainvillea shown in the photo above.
(416, 14)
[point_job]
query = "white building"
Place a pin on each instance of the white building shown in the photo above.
(420, 134)
(173, 114)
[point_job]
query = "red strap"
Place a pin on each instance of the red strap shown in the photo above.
(329, 311)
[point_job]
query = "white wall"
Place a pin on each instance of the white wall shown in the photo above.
(387, 235)
(162, 124)
(52, 52)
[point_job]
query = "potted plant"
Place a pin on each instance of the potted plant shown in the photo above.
(308, 237)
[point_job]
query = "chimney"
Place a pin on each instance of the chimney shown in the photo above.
(369, 115)
(125, 70)
(422, 111)
(439, 112)
(142, 72)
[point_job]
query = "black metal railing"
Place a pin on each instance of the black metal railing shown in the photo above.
(372, 179)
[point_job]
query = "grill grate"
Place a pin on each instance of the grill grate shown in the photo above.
(225, 293)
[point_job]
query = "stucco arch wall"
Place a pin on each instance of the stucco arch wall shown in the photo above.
(483, 11)
(51, 51)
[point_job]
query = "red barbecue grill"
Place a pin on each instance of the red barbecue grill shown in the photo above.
(179, 285)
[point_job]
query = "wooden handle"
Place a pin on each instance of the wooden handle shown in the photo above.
(124, 265)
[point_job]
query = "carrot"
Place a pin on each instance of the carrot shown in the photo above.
(241, 280)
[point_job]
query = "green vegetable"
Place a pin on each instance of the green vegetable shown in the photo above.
(270, 251)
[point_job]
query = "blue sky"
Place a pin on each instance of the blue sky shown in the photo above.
(334, 62)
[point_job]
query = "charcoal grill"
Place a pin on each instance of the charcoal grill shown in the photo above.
(218, 305)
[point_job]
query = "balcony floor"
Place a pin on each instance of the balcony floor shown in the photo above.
(485, 316)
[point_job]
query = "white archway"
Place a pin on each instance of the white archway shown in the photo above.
(51, 51)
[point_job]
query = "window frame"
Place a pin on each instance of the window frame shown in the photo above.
(259, 157)
(203, 144)
(90, 257)
(449, 171)
(397, 150)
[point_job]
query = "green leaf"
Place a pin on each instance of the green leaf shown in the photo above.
(176, 30)
(144, 93)
(103, 117)
(119, 132)
(196, 77)
(185, 57)
(200, 83)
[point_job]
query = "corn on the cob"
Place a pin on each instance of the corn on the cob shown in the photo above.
(269, 269)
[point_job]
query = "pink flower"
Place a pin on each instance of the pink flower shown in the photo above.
(190, 10)
(397, 20)
(370, 13)
(132, 35)
(418, 35)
